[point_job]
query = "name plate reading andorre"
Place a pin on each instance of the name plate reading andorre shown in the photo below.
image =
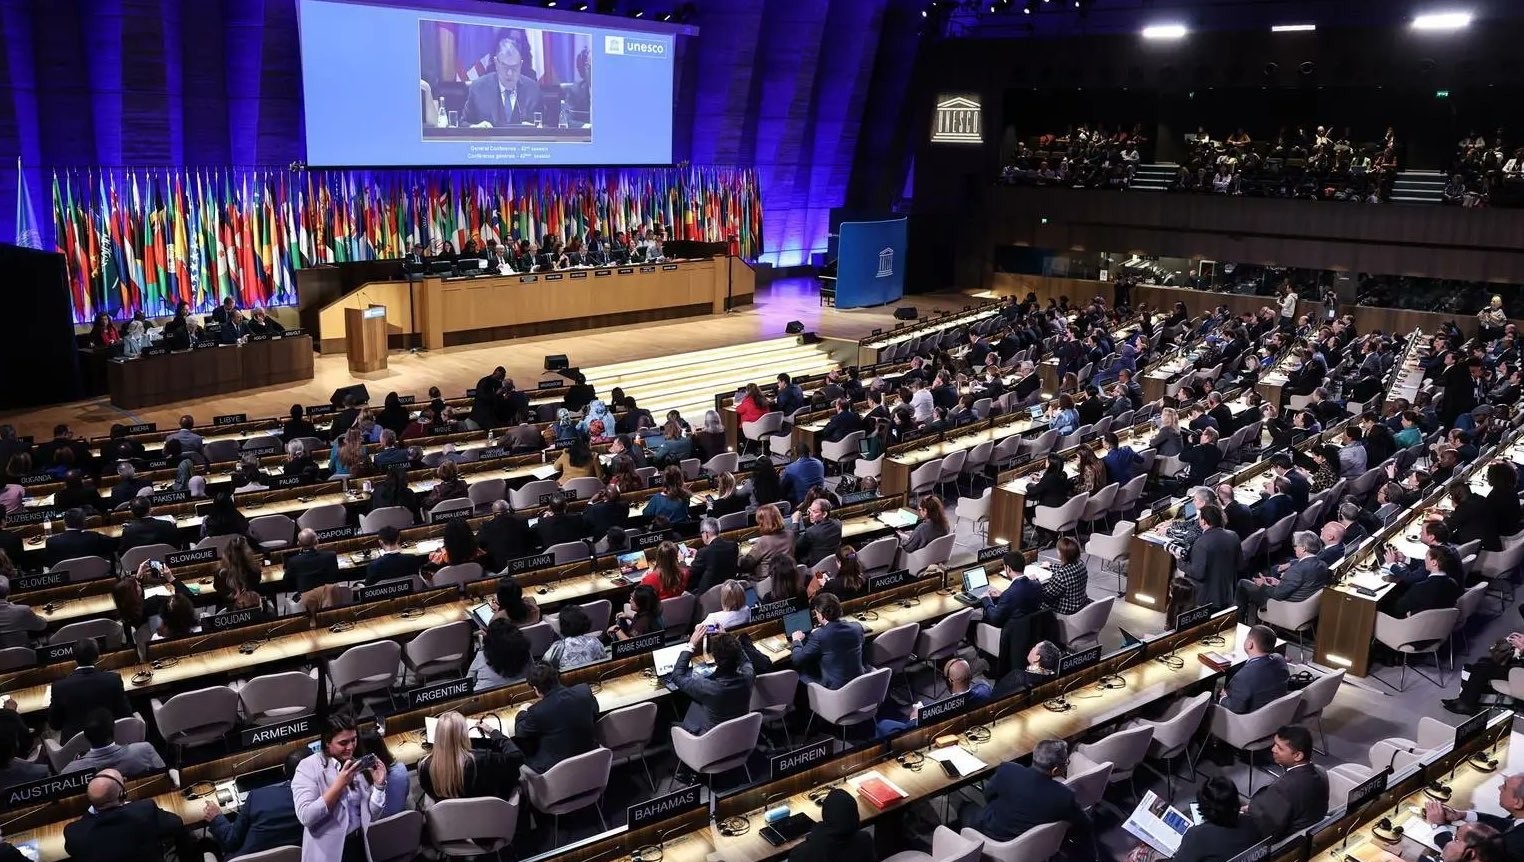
(55, 652)
(439, 691)
(332, 533)
(774, 610)
(576, 275)
(233, 619)
(37, 479)
(639, 644)
(142, 428)
(799, 759)
(530, 564)
(1076, 661)
(286, 481)
(943, 708)
(296, 728)
(21, 519)
(1367, 790)
(679, 801)
(1468, 729)
(39, 582)
(45, 790)
(993, 552)
(889, 580)
(166, 497)
(230, 419)
(190, 558)
(1192, 617)
(1255, 853)
(647, 540)
(385, 590)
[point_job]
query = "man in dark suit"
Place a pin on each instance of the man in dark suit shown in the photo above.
(224, 312)
(1201, 459)
(16, 621)
(1299, 798)
(310, 567)
(127, 484)
(1277, 505)
(505, 536)
(1510, 829)
(392, 563)
(557, 726)
(1464, 390)
(724, 694)
(843, 423)
(115, 830)
(1220, 413)
(484, 402)
(266, 820)
(818, 534)
(715, 562)
(1262, 678)
(506, 98)
(832, 654)
(75, 541)
(1023, 597)
(1239, 518)
(1019, 798)
(85, 690)
(1439, 590)
(1300, 487)
(1305, 575)
(146, 530)
(557, 525)
(1213, 559)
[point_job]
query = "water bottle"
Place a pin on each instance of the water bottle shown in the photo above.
(443, 120)
(565, 121)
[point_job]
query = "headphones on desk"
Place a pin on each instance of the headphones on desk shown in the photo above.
(730, 827)
(199, 790)
(142, 677)
(342, 626)
(163, 663)
(648, 853)
(911, 760)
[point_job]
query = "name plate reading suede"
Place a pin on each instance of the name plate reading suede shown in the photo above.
(1367, 790)
(1076, 661)
(233, 619)
(679, 801)
(439, 691)
(230, 419)
(639, 644)
(49, 789)
(799, 759)
(943, 708)
(190, 558)
(775, 610)
(39, 582)
(296, 728)
(530, 564)
(332, 533)
(889, 580)
(993, 552)
(385, 590)
(1193, 617)
(648, 540)
(166, 497)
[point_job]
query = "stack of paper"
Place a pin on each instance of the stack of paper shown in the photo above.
(1157, 824)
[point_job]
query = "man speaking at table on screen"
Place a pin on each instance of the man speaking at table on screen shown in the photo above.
(507, 98)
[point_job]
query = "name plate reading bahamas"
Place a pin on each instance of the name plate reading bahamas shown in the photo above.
(800, 759)
(296, 728)
(679, 801)
(637, 645)
(439, 691)
(385, 590)
(49, 789)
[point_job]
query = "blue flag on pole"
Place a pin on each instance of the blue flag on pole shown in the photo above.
(27, 234)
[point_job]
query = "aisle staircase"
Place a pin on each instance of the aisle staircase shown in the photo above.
(1418, 187)
(1155, 177)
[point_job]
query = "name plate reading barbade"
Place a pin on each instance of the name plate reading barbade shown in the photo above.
(1367, 790)
(775, 610)
(436, 692)
(626, 270)
(1255, 853)
(230, 419)
(286, 481)
(1468, 729)
(799, 759)
(385, 590)
(332, 533)
(55, 652)
(142, 428)
(993, 552)
(603, 273)
(21, 519)
(449, 515)
(679, 801)
(1076, 661)
(1193, 617)
(233, 619)
(943, 708)
(39, 582)
(648, 540)
(889, 580)
(45, 790)
(555, 276)
(166, 497)
(190, 558)
(37, 479)
(576, 275)
(637, 645)
(296, 728)
(530, 564)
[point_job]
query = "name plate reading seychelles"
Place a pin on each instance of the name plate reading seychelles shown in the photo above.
(44, 790)
(439, 691)
(55, 652)
(233, 619)
(230, 419)
(296, 728)
(943, 708)
(679, 801)
(165, 497)
(384, 590)
(332, 533)
(1077, 661)
(638, 645)
(21, 519)
(1193, 617)
(775, 610)
(799, 759)
(889, 580)
(190, 558)
(530, 564)
(993, 552)
(142, 428)
(1367, 790)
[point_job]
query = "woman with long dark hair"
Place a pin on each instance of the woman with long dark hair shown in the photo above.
(666, 577)
(576, 461)
(335, 799)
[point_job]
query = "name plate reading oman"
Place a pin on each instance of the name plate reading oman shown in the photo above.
(233, 619)
(774, 610)
(1079, 660)
(529, 564)
(889, 580)
(439, 691)
(48, 789)
(637, 645)
(386, 590)
(190, 558)
(285, 731)
(943, 708)
(799, 759)
(1192, 617)
(1367, 790)
(679, 801)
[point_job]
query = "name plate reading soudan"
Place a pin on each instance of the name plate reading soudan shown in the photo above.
(943, 708)
(190, 558)
(45, 790)
(385, 590)
(530, 564)
(679, 801)
(799, 759)
(439, 691)
(775, 610)
(233, 619)
(889, 580)
(296, 728)
(639, 644)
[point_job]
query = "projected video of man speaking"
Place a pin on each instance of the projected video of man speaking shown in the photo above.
(482, 82)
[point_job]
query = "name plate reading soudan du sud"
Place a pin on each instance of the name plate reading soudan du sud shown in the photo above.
(799, 759)
(285, 731)
(45, 790)
(1076, 661)
(679, 801)
(384, 590)
(639, 644)
(440, 691)
(889, 580)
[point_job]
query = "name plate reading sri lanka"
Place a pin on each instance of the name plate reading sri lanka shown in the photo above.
(530, 564)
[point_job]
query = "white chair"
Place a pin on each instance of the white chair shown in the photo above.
(877, 556)
(83, 568)
(1061, 519)
(1173, 732)
(1099, 505)
(773, 694)
(580, 488)
(528, 496)
(483, 493)
(327, 517)
(976, 510)
(724, 747)
(473, 827)
(838, 451)
(1037, 844)
(277, 697)
(936, 552)
(1422, 633)
(946, 846)
(1087, 781)
(1124, 749)
(458, 575)
(866, 468)
(386, 516)
(627, 734)
(273, 532)
(1296, 617)
(196, 717)
(1316, 697)
(941, 640)
(1086, 623)
(1113, 548)
(1254, 731)
(854, 703)
(1398, 753)
(761, 431)
(570, 785)
(443, 649)
(925, 477)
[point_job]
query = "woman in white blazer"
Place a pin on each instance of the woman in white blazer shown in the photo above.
(335, 798)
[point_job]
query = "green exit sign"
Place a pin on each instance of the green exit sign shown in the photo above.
(1441, 94)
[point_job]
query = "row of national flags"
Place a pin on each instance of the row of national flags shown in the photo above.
(148, 239)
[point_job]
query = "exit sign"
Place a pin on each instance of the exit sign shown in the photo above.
(1441, 94)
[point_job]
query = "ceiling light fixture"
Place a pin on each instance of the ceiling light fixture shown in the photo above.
(1442, 21)
(1293, 28)
(1164, 31)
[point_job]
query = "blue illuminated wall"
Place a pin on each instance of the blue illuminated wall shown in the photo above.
(787, 86)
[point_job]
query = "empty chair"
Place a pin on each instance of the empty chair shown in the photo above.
(1254, 731)
(725, 462)
(364, 669)
(772, 695)
(976, 510)
(1061, 519)
(458, 575)
(627, 733)
(837, 451)
(1098, 507)
(220, 450)
(83, 568)
(277, 697)
(442, 509)
(484, 493)
(287, 853)
(570, 552)
(878, 555)
(1342, 779)
(1173, 732)
(1037, 844)
(1086, 623)
(936, 552)
(571, 785)
(1399, 753)
(439, 650)
(1125, 749)
(386, 516)
(108, 631)
(677, 612)
(1315, 698)
(946, 846)
(1006, 451)
(1129, 494)
(478, 826)
(925, 477)
(1088, 782)
(724, 747)
(1277, 534)
(892, 649)
(1040, 445)
(1297, 617)
(854, 703)
(691, 469)
(581, 488)
(868, 468)
(273, 531)
(327, 517)
(196, 717)
(734, 521)
(942, 639)
(952, 468)
(530, 495)
(396, 838)
(134, 557)
(1112, 548)
(1422, 633)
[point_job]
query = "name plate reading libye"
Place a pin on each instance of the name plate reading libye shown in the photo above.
(799, 759)
(439, 691)
(230, 419)
(296, 728)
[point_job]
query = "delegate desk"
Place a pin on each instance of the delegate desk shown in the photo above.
(180, 375)
(876, 347)
(903, 460)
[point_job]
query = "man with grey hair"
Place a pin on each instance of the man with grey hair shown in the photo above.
(1019, 798)
(1510, 829)
(127, 484)
(1186, 529)
(16, 620)
(1028, 381)
(392, 451)
(505, 536)
(1305, 575)
(508, 97)
(310, 567)
(715, 562)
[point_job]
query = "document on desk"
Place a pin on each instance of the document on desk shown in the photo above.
(964, 762)
(1367, 580)
(1421, 830)
(897, 519)
(1155, 538)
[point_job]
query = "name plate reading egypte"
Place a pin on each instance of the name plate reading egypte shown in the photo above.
(1367, 790)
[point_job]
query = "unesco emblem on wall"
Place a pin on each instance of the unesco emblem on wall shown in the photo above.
(957, 121)
(885, 263)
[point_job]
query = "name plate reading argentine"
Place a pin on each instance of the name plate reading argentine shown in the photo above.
(230, 419)
(1076, 661)
(190, 558)
(775, 610)
(48, 789)
(530, 564)
(233, 619)
(166, 497)
(296, 728)
(385, 590)
(1367, 790)
(799, 759)
(1192, 617)
(639, 644)
(332, 533)
(439, 691)
(943, 708)
(889, 580)
(679, 801)
(993, 552)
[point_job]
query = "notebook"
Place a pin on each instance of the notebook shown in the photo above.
(897, 519)
(877, 789)
(543, 472)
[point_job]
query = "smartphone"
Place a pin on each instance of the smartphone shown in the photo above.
(156, 565)
(950, 768)
(369, 761)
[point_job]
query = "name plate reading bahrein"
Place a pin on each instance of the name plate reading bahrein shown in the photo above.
(233, 619)
(993, 552)
(530, 564)
(799, 759)
(679, 801)
(296, 728)
(1077, 661)
(943, 708)
(775, 610)
(384, 590)
(889, 580)
(638, 644)
(439, 691)
(190, 558)
(1367, 790)
(1193, 617)
(45, 790)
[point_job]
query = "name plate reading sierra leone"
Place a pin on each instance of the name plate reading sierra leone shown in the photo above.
(679, 801)
(296, 728)
(190, 558)
(799, 759)
(439, 691)
(45, 790)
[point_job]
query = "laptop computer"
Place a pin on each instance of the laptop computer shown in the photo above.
(665, 659)
(1036, 411)
(976, 585)
(632, 563)
(798, 621)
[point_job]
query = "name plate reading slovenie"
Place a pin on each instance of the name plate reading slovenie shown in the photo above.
(1193, 617)
(889, 580)
(530, 564)
(230, 419)
(164, 498)
(799, 759)
(993, 552)
(41, 582)
(332, 533)
(439, 691)
(774, 610)
(296, 728)
(679, 801)
(55, 652)
(637, 645)
(190, 558)
(1367, 790)
(943, 708)
(233, 619)
(48, 789)
(21, 519)
(1076, 661)
(647, 540)
(385, 590)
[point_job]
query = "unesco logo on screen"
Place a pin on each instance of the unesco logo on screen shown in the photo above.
(613, 45)
(625, 46)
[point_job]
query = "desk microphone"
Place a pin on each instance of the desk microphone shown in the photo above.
(414, 611)
(1114, 679)
(1061, 703)
(249, 647)
(58, 603)
(1355, 823)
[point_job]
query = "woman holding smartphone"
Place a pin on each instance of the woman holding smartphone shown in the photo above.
(334, 802)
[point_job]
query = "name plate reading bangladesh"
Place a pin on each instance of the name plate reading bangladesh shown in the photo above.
(285, 731)
(775, 610)
(679, 801)
(45, 790)
(639, 644)
(1076, 661)
(439, 691)
(233, 619)
(230, 419)
(889, 580)
(943, 708)
(530, 564)
(190, 558)
(800, 759)
(333, 533)
(385, 590)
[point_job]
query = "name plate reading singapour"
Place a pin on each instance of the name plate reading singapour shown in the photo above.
(889, 580)
(1074, 661)
(679, 801)
(385, 590)
(436, 692)
(799, 759)
(637, 645)
(529, 564)
(332, 533)
(48, 789)
(296, 728)
(188, 558)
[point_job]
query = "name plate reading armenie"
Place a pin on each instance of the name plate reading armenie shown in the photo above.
(296, 728)
(639, 644)
(679, 801)
(799, 759)
(164, 498)
(993, 552)
(48, 789)
(889, 580)
(530, 564)
(189, 558)
(439, 691)
(233, 619)
(1075, 661)
(1367, 790)
(775, 610)
(943, 708)
(1192, 617)
(332, 533)
(40, 582)
(385, 590)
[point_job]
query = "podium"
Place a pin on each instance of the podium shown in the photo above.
(365, 338)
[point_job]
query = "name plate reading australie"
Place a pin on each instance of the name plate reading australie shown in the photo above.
(449, 515)
(37, 479)
(50, 789)
(233, 619)
(1468, 729)
(679, 801)
(555, 276)
(1192, 617)
(889, 580)
(286, 481)
(167, 497)
(190, 558)
(1367, 790)
(530, 564)
(1076, 661)
(385, 590)
(142, 428)
(799, 759)
(626, 270)
(637, 645)
(943, 708)
(230, 419)
(332, 533)
(285, 731)
(439, 691)
(576, 275)
(648, 540)
(993, 552)
(775, 610)
(55, 652)
(21, 519)
(1255, 853)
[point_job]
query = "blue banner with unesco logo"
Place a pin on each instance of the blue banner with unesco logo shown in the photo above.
(870, 262)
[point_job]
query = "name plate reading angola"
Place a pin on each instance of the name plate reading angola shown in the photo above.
(889, 580)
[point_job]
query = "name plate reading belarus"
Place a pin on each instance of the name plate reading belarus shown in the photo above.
(679, 801)
(296, 728)
(799, 759)
(1193, 617)
(439, 691)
